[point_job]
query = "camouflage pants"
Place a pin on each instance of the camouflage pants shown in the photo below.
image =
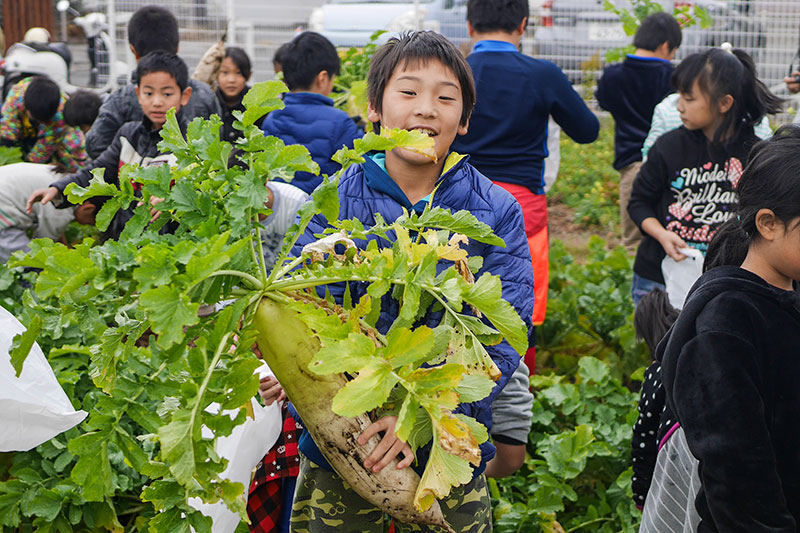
(324, 503)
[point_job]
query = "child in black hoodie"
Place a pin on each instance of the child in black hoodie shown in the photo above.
(686, 189)
(731, 361)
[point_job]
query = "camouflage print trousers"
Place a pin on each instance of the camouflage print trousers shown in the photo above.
(324, 503)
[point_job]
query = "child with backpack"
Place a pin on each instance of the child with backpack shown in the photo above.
(687, 187)
(730, 361)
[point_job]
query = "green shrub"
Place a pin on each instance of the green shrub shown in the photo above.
(10, 155)
(590, 312)
(587, 180)
(577, 475)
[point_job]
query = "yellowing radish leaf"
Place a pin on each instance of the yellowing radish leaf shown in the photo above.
(405, 346)
(368, 391)
(456, 438)
(442, 472)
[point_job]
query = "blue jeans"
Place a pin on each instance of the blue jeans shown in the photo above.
(642, 286)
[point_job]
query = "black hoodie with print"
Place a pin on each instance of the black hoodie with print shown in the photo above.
(730, 368)
(688, 185)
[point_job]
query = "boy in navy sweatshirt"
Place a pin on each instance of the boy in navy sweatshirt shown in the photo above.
(418, 81)
(630, 91)
(310, 63)
(507, 140)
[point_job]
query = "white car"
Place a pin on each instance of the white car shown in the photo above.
(352, 22)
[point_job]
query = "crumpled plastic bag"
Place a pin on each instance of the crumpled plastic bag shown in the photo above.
(679, 276)
(244, 449)
(33, 407)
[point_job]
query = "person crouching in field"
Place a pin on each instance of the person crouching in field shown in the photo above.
(18, 226)
(32, 118)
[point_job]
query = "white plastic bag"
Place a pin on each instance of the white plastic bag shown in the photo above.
(244, 448)
(33, 407)
(679, 276)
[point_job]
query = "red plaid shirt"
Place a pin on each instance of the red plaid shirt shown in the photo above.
(282, 460)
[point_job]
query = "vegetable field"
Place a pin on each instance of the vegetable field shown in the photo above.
(119, 324)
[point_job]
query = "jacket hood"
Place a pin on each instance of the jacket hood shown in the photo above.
(718, 281)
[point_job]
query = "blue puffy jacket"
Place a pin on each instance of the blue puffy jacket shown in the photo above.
(366, 189)
(311, 120)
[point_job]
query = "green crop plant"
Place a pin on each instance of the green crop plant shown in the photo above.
(9, 154)
(119, 322)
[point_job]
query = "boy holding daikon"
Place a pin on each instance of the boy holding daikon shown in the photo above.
(421, 82)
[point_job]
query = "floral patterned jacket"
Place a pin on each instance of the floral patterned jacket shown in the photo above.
(54, 142)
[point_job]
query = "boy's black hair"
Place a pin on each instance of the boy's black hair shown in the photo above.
(305, 57)
(657, 29)
(653, 317)
(497, 15)
(280, 54)
(82, 108)
(240, 59)
(771, 180)
(414, 48)
(153, 28)
(42, 98)
(164, 62)
(719, 73)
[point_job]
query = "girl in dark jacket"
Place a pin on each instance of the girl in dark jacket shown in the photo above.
(687, 187)
(731, 361)
(234, 72)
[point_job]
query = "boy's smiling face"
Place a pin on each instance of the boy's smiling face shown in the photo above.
(425, 96)
(158, 92)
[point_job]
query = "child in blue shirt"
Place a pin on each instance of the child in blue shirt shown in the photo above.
(630, 91)
(507, 142)
(419, 81)
(310, 63)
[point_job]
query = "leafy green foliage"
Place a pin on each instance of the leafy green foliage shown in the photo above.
(588, 183)
(119, 323)
(590, 312)
(350, 86)
(577, 475)
(10, 154)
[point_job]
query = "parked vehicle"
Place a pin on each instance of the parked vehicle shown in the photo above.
(53, 59)
(573, 32)
(351, 22)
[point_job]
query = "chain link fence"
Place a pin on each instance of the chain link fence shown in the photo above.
(575, 34)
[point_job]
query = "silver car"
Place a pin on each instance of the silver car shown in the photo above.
(351, 22)
(575, 34)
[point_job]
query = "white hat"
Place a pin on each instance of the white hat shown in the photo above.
(37, 35)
